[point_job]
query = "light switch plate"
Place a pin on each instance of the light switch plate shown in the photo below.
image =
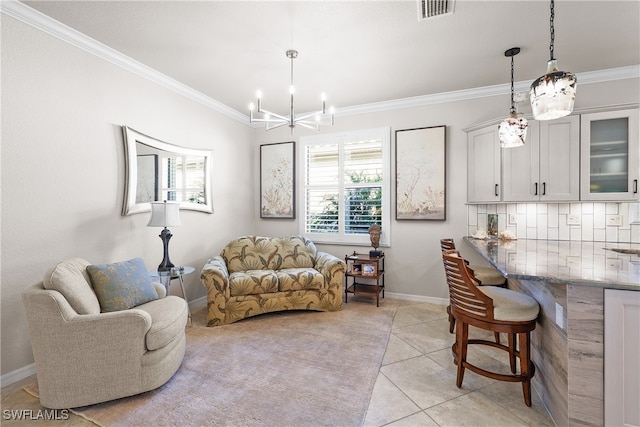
(573, 219)
(513, 219)
(614, 220)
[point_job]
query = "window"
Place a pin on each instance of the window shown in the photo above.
(345, 186)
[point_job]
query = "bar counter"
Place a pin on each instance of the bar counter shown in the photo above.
(564, 261)
(568, 279)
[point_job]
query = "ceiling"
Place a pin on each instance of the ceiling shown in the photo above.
(358, 52)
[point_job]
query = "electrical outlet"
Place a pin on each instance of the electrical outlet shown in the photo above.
(573, 219)
(614, 220)
(513, 219)
(614, 264)
(559, 315)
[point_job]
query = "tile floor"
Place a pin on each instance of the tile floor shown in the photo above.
(416, 383)
(415, 386)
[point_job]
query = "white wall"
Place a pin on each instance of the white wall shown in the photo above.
(414, 263)
(63, 170)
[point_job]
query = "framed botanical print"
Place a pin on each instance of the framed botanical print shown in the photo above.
(421, 174)
(277, 180)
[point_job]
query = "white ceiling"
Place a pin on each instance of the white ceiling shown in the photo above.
(358, 52)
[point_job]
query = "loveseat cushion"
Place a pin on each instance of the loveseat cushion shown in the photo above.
(168, 319)
(249, 253)
(71, 279)
(122, 285)
(252, 282)
(295, 279)
(295, 252)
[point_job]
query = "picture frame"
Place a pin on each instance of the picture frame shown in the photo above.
(421, 174)
(369, 269)
(356, 268)
(277, 180)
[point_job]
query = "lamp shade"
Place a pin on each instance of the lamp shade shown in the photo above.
(164, 214)
(512, 131)
(553, 95)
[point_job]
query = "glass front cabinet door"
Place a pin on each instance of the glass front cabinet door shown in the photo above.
(610, 166)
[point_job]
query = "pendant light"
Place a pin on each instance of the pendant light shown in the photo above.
(512, 132)
(552, 95)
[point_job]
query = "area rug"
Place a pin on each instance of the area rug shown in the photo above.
(287, 369)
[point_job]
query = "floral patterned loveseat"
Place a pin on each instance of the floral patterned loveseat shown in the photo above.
(255, 275)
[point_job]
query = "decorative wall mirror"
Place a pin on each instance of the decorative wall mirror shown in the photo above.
(157, 171)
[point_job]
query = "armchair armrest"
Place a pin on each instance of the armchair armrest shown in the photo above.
(215, 277)
(332, 268)
(160, 289)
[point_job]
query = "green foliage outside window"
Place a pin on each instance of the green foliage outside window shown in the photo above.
(363, 207)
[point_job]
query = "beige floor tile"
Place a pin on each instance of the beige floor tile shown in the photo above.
(424, 381)
(416, 420)
(398, 350)
(510, 397)
(388, 404)
(425, 311)
(473, 409)
(471, 381)
(427, 336)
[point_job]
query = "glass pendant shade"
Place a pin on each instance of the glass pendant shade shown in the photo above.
(512, 131)
(553, 95)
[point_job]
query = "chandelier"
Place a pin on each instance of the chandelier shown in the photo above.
(552, 95)
(310, 120)
(512, 132)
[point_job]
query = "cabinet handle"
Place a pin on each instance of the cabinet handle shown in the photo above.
(536, 191)
(544, 188)
(496, 191)
(635, 186)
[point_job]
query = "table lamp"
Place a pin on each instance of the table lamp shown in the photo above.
(165, 214)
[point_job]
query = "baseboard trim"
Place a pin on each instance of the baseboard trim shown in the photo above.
(17, 375)
(418, 298)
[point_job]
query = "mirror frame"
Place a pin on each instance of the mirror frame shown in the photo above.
(131, 139)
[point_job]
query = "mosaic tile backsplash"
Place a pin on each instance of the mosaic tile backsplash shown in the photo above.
(589, 222)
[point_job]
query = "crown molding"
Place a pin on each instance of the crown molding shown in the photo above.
(620, 73)
(54, 28)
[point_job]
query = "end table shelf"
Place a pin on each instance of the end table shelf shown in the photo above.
(361, 268)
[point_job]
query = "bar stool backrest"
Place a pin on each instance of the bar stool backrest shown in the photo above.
(465, 296)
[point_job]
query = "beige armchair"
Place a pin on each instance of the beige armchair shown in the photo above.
(83, 356)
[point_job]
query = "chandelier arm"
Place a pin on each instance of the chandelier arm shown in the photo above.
(308, 126)
(280, 124)
(272, 120)
(277, 116)
(307, 116)
(322, 121)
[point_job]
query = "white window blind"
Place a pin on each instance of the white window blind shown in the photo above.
(345, 186)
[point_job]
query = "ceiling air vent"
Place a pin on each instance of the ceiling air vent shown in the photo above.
(432, 8)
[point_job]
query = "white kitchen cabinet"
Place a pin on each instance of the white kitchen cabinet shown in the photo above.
(483, 165)
(621, 349)
(547, 167)
(610, 156)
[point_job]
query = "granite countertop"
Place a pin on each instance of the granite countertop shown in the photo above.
(564, 261)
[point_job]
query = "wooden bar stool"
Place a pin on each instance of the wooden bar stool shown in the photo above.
(493, 309)
(487, 276)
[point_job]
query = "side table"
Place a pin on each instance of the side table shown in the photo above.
(167, 276)
(362, 267)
